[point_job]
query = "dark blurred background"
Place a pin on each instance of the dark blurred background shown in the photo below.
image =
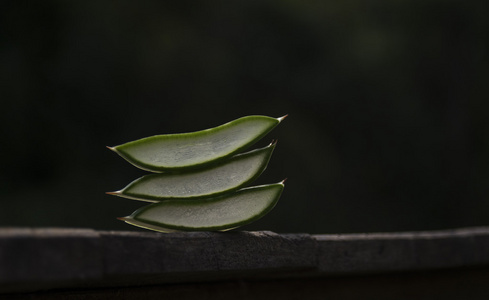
(387, 100)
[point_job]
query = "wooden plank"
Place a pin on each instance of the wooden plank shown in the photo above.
(57, 258)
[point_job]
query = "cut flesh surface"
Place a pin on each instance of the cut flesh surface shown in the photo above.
(212, 214)
(229, 175)
(173, 152)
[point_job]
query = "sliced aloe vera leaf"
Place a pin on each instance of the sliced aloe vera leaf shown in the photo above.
(227, 176)
(173, 152)
(220, 213)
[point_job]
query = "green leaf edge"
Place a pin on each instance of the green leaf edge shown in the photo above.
(270, 148)
(120, 148)
(172, 228)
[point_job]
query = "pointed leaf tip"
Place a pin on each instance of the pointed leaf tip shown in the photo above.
(121, 218)
(114, 193)
(283, 181)
(281, 118)
(110, 148)
(272, 143)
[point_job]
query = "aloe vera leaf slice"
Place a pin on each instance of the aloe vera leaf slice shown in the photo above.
(174, 152)
(220, 213)
(224, 177)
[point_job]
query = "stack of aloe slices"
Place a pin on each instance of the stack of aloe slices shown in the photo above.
(198, 178)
